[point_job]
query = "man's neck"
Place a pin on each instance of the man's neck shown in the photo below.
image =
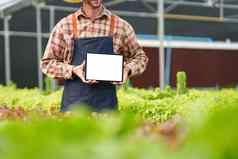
(91, 12)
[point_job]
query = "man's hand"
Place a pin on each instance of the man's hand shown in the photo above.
(126, 74)
(79, 71)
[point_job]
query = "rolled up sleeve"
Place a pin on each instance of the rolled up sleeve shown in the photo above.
(135, 59)
(52, 62)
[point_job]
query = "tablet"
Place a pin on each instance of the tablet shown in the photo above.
(104, 67)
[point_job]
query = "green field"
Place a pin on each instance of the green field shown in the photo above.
(169, 124)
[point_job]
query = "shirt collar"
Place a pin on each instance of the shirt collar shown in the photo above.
(105, 12)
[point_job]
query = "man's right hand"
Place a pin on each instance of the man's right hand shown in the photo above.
(79, 71)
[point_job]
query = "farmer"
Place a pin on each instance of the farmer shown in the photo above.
(92, 28)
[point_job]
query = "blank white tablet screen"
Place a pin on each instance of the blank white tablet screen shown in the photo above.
(104, 67)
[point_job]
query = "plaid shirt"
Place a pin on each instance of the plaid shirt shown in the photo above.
(56, 62)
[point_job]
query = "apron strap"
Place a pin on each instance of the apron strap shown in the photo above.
(74, 22)
(112, 27)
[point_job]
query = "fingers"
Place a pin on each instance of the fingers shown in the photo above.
(81, 76)
(91, 82)
(80, 67)
(83, 64)
(80, 73)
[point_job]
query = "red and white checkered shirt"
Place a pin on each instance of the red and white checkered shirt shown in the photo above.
(56, 62)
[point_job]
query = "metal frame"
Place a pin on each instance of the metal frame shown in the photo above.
(190, 44)
(161, 37)
(158, 14)
(7, 50)
(39, 45)
(9, 6)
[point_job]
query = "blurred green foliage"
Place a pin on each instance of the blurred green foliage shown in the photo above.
(80, 135)
(210, 126)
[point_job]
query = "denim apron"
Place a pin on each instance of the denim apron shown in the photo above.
(100, 96)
